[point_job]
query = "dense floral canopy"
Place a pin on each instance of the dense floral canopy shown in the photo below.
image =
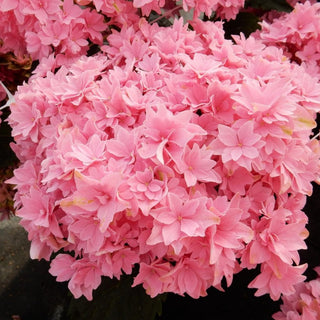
(171, 148)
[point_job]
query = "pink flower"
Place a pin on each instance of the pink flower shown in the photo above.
(61, 267)
(230, 232)
(53, 34)
(269, 102)
(287, 170)
(166, 134)
(277, 278)
(123, 145)
(296, 33)
(27, 119)
(275, 235)
(147, 190)
(86, 232)
(70, 12)
(237, 144)
(37, 207)
(94, 25)
(180, 219)
(86, 277)
(151, 277)
(190, 278)
(75, 44)
(201, 64)
(124, 260)
(41, 8)
(89, 153)
(93, 198)
(197, 165)
(35, 46)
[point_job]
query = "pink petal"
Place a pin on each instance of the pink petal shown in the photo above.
(166, 217)
(227, 136)
(171, 233)
(246, 135)
(250, 152)
(236, 153)
(189, 227)
(190, 178)
(159, 152)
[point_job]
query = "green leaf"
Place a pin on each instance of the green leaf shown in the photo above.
(116, 300)
(279, 5)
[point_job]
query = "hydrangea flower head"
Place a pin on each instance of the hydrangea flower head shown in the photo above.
(172, 149)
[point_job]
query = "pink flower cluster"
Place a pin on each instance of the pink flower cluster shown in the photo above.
(44, 27)
(226, 9)
(304, 304)
(298, 34)
(65, 29)
(175, 150)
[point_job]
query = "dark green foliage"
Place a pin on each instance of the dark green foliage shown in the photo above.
(7, 156)
(245, 22)
(116, 300)
(237, 302)
(279, 5)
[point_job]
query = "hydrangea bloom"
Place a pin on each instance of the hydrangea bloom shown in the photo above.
(176, 150)
(297, 33)
(39, 28)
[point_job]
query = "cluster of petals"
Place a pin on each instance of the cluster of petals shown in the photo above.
(175, 150)
(297, 33)
(41, 28)
(59, 32)
(225, 9)
(304, 304)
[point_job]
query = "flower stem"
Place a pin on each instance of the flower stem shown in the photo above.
(166, 14)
